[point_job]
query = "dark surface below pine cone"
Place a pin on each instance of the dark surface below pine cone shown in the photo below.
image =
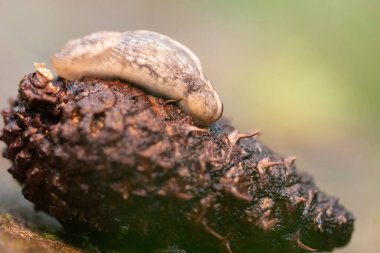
(106, 158)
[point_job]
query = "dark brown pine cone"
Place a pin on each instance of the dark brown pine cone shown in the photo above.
(104, 156)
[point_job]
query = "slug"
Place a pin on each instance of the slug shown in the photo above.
(151, 61)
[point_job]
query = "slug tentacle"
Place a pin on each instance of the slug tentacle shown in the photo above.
(151, 61)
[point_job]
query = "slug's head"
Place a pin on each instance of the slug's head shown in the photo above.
(81, 54)
(202, 103)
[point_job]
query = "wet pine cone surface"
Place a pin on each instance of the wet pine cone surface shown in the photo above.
(103, 156)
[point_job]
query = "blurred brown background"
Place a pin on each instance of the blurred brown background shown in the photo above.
(305, 72)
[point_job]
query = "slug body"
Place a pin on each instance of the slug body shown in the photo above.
(150, 60)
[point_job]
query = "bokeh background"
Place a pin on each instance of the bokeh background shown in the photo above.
(305, 72)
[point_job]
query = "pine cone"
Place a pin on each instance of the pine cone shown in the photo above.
(106, 157)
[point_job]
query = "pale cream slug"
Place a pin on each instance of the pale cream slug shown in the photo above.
(150, 60)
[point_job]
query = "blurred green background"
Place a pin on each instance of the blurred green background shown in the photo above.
(305, 72)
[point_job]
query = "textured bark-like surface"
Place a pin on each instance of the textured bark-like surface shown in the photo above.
(17, 238)
(106, 157)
